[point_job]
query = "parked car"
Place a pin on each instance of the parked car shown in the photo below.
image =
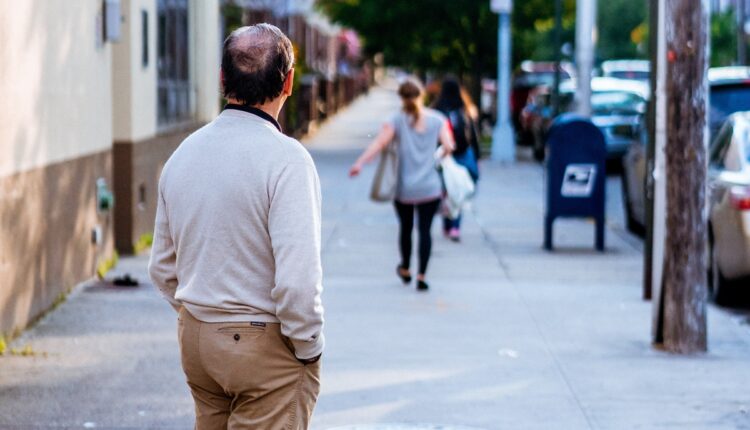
(638, 70)
(729, 92)
(617, 108)
(729, 204)
(532, 74)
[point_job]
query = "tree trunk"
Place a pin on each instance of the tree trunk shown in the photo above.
(684, 291)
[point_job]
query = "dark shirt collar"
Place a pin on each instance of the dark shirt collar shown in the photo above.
(255, 111)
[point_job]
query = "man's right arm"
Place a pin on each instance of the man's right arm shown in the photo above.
(162, 266)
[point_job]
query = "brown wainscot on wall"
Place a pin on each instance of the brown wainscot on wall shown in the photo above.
(47, 219)
(137, 167)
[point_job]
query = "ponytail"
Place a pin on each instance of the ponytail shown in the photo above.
(410, 91)
(412, 109)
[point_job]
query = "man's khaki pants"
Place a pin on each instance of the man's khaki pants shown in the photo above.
(245, 376)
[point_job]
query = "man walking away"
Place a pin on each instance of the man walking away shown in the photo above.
(237, 249)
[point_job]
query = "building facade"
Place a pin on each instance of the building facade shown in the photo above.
(165, 84)
(96, 94)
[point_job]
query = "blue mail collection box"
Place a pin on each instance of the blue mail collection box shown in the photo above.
(576, 174)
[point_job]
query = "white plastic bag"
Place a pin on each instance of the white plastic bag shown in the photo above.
(459, 186)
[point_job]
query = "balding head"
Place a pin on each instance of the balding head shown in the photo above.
(255, 64)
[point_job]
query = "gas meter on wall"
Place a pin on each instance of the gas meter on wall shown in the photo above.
(104, 198)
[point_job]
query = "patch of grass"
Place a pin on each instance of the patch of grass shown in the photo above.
(144, 242)
(26, 351)
(60, 299)
(106, 265)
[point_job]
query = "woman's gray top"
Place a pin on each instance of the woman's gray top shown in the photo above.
(418, 179)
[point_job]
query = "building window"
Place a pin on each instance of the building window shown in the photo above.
(173, 62)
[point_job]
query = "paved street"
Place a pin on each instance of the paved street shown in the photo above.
(508, 337)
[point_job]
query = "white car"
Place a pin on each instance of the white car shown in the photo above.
(729, 92)
(638, 70)
(729, 204)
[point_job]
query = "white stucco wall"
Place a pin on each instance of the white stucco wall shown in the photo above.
(55, 83)
(133, 85)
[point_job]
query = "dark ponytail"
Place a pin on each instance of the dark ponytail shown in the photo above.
(410, 91)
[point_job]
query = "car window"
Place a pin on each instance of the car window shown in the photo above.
(538, 78)
(720, 146)
(629, 74)
(604, 102)
(746, 144)
(725, 100)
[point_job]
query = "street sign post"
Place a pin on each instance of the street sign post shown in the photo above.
(503, 137)
(585, 34)
(501, 6)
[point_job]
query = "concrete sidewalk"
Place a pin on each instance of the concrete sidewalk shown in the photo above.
(508, 337)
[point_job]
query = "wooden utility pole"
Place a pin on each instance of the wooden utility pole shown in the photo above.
(682, 313)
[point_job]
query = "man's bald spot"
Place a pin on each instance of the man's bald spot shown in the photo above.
(254, 47)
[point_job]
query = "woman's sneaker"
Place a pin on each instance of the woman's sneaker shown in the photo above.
(454, 234)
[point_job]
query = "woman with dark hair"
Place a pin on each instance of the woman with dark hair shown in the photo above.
(451, 102)
(414, 130)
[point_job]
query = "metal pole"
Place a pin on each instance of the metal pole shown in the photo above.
(658, 173)
(585, 33)
(653, 47)
(558, 48)
(503, 141)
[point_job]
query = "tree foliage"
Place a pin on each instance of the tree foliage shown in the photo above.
(534, 29)
(622, 26)
(723, 38)
(461, 36)
(425, 35)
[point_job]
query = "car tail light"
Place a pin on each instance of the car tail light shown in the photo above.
(740, 198)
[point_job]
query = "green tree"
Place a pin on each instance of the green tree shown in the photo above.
(534, 29)
(622, 25)
(723, 38)
(424, 35)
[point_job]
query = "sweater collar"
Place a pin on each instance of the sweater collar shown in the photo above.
(254, 111)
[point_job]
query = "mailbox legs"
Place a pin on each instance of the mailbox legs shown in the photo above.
(600, 226)
(600, 234)
(548, 220)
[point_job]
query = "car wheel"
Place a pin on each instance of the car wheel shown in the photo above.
(631, 223)
(717, 284)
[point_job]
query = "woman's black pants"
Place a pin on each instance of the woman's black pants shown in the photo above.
(425, 213)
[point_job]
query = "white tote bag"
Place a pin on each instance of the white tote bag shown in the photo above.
(459, 186)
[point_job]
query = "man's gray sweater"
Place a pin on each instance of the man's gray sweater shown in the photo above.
(237, 234)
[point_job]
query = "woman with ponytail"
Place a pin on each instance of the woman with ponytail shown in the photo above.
(414, 130)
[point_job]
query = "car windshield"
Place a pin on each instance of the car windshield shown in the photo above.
(617, 102)
(629, 74)
(726, 100)
(534, 79)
